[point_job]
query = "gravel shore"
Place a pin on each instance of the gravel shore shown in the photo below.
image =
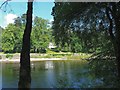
(32, 59)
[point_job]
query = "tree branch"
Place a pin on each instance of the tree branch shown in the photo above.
(111, 24)
(4, 3)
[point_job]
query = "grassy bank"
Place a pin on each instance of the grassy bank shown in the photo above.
(50, 54)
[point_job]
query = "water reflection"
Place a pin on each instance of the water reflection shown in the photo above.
(10, 75)
(52, 74)
(48, 65)
(24, 77)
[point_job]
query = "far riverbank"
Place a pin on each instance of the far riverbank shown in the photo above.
(44, 57)
(33, 59)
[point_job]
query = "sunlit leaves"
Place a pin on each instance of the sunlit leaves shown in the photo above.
(41, 34)
(40, 37)
(11, 38)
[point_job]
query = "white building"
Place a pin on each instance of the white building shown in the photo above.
(51, 45)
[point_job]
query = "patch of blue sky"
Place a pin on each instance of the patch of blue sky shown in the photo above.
(40, 9)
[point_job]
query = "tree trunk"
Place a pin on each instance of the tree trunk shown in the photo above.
(116, 16)
(25, 69)
(117, 22)
(115, 38)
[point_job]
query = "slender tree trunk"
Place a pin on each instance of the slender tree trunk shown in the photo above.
(25, 69)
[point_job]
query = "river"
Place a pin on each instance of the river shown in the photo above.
(52, 74)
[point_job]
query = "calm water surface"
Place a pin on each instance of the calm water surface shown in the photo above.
(52, 74)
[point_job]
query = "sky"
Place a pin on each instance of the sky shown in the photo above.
(15, 9)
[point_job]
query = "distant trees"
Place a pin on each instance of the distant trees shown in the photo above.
(1, 29)
(41, 35)
(12, 38)
(13, 33)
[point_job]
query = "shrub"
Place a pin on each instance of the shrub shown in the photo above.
(55, 49)
(42, 51)
(0, 57)
(9, 56)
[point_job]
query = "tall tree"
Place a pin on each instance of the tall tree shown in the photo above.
(113, 14)
(12, 38)
(25, 70)
(84, 17)
(40, 35)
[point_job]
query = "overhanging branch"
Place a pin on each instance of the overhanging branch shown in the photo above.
(4, 3)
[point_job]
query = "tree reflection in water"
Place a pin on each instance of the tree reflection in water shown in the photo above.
(24, 77)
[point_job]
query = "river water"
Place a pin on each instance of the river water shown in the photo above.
(53, 74)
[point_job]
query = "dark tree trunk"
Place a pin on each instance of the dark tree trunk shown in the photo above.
(116, 16)
(117, 22)
(115, 38)
(25, 69)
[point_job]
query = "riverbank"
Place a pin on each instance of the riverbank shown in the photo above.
(33, 59)
(44, 57)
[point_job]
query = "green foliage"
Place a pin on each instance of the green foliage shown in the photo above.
(86, 28)
(106, 70)
(12, 38)
(9, 56)
(82, 27)
(0, 57)
(40, 37)
(1, 29)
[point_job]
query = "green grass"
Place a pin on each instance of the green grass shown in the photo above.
(78, 57)
(52, 54)
(49, 56)
(1, 53)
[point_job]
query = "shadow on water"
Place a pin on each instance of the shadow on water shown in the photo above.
(24, 77)
(106, 70)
